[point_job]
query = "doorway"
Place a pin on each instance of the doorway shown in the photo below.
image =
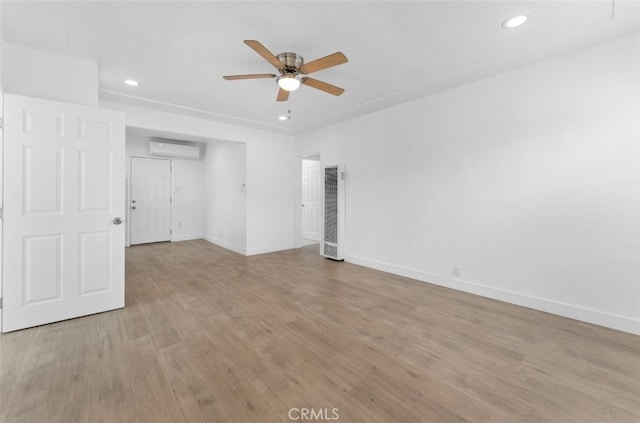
(150, 203)
(311, 200)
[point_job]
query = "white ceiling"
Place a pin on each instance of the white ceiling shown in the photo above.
(398, 51)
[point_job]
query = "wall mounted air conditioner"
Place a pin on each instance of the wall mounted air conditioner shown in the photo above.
(174, 149)
(332, 245)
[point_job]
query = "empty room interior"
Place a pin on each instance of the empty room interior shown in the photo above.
(350, 211)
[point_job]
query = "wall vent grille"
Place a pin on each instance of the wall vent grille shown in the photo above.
(330, 250)
(334, 215)
(331, 204)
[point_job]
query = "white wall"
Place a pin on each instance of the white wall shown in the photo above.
(528, 181)
(188, 199)
(225, 195)
(2, 42)
(270, 195)
(187, 186)
(269, 171)
(35, 73)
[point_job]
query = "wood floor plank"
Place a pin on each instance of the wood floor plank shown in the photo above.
(208, 335)
(196, 400)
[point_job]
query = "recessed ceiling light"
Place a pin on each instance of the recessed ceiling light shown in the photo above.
(282, 117)
(131, 82)
(515, 22)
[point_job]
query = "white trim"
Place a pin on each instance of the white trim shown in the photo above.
(571, 311)
(190, 237)
(162, 106)
(270, 248)
(225, 244)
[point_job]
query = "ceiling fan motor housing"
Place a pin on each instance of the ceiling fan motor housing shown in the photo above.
(291, 61)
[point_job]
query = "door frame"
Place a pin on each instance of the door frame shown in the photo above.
(129, 182)
(297, 204)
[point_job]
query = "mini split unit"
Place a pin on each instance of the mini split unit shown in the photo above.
(174, 149)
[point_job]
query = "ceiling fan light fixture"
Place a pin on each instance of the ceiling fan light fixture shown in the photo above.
(288, 82)
(515, 22)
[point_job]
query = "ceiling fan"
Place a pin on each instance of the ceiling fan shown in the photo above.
(292, 70)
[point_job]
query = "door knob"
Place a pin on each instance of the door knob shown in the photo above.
(133, 201)
(117, 220)
(133, 207)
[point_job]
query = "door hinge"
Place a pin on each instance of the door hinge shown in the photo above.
(1, 123)
(171, 200)
(1, 213)
(0, 302)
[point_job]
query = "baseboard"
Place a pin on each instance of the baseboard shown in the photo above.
(571, 311)
(270, 248)
(306, 242)
(225, 244)
(249, 251)
(178, 238)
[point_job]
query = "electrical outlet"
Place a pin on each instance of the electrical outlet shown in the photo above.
(456, 270)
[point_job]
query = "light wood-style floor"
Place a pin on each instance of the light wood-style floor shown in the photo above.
(209, 335)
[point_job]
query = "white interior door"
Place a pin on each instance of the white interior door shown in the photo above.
(311, 200)
(150, 200)
(63, 245)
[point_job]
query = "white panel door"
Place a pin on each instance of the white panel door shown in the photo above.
(311, 200)
(63, 244)
(150, 200)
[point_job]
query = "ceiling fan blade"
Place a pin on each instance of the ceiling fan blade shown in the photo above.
(249, 76)
(325, 62)
(322, 86)
(283, 95)
(262, 51)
